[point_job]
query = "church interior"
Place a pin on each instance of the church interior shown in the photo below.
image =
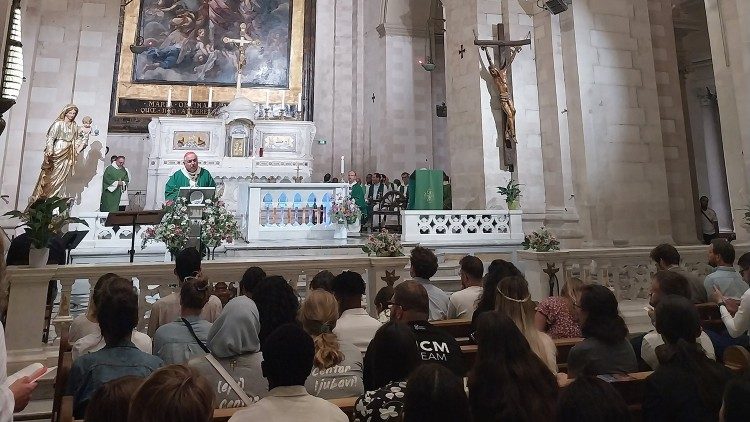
(573, 140)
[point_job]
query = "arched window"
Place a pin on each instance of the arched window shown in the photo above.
(12, 72)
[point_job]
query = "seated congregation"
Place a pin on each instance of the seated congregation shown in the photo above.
(267, 355)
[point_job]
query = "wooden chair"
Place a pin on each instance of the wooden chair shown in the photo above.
(390, 204)
(737, 359)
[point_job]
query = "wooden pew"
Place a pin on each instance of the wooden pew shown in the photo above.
(64, 363)
(458, 328)
(346, 405)
(469, 352)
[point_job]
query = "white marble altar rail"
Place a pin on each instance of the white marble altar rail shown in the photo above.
(627, 270)
(463, 226)
(288, 210)
(28, 288)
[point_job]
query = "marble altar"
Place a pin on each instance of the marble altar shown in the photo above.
(235, 146)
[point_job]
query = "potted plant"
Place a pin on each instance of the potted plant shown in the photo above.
(43, 220)
(512, 194)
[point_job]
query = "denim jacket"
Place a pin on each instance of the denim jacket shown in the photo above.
(91, 371)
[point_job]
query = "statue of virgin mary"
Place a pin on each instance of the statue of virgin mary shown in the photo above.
(65, 140)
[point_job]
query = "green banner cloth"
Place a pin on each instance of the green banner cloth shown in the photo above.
(426, 190)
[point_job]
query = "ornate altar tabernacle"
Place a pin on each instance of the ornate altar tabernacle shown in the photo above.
(237, 148)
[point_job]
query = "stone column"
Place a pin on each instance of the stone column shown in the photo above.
(717, 170)
(729, 33)
(473, 124)
(614, 123)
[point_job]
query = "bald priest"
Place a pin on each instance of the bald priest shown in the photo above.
(190, 176)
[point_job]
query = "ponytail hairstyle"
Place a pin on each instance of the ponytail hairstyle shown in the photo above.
(318, 315)
(195, 292)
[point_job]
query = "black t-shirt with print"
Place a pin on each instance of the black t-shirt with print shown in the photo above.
(437, 345)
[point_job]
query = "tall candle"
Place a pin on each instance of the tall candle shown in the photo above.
(210, 96)
(169, 98)
(283, 100)
(342, 164)
(299, 103)
(268, 98)
(190, 96)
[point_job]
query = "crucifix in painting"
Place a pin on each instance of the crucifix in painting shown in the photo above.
(240, 42)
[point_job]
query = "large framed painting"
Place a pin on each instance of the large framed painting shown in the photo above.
(187, 45)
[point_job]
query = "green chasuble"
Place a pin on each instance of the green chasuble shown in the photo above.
(358, 196)
(110, 201)
(181, 179)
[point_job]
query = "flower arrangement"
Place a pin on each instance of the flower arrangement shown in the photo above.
(173, 229)
(219, 225)
(345, 211)
(541, 241)
(383, 243)
(41, 222)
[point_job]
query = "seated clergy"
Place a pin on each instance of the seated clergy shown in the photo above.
(190, 176)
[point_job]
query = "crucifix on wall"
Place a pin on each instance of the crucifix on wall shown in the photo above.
(500, 72)
(240, 42)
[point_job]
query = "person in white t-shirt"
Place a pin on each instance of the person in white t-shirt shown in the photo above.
(354, 326)
(709, 221)
(463, 303)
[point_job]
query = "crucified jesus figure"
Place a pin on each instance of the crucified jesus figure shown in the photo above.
(500, 77)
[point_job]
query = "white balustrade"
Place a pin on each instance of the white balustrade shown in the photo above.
(278, 211)
(627, 270)
(28, 288)
(463, 226)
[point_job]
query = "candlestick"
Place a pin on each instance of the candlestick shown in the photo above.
(283, 102)
(268, 98)
(190, 96)
(342, 164)
(169, 98)
(299, 103)
(210, 96)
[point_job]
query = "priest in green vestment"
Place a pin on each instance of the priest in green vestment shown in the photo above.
(190, 176)
(114, 183)
(357, 194)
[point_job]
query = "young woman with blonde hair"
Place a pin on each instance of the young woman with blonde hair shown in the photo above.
(514, 300)
(337, 367)
(558, 315)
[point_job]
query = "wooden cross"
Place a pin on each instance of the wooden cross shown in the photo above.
(240, 42)
(461, 51)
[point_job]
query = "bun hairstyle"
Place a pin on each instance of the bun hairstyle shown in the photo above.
(318, 315)
(194, 292)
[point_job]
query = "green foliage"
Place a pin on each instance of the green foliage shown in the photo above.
(41, 222)
(541, 241)
(511, 191)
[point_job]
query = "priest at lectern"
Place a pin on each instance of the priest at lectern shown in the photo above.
(190, 176)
